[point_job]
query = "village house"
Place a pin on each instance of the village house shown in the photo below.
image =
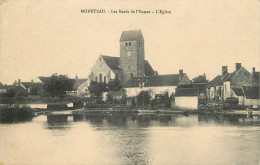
(214, 88)
(251, 96)
(200, 83)
(157, 84)
(234, 85)
(236, 80)
(32, 88)
(80, 86)
(186, 98)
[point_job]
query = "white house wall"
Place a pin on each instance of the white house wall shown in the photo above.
(132, 92)
(186, 102)
(252, 102)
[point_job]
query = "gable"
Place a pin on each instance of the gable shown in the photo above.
(241, 78)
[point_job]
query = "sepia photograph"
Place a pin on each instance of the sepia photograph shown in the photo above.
(115, 82)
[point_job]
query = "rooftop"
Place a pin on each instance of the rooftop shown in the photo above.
(155, 80)
(131, 35)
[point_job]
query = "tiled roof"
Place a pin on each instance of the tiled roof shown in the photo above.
(251, 92)
(44, 79)
(238, 91)
(257, 75)
(30, 84)
(78, 82)
(215, 81)
(200, 79)
(11, 87)
(185, 92)
(131, 35)
(112, 62)
(150, 81)
(148, 70)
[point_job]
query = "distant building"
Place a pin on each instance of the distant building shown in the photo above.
(236, 80)
(80, 87)
(32, 88)
(235, 84)
(131, 62)
(157, 84)
(251, 96)
(200, 83)
(186, 98)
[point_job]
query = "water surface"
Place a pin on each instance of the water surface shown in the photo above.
(132, 139)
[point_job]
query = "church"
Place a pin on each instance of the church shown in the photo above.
(131, 62)
(134, 72)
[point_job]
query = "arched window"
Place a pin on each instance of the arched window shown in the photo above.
(96, 78)
(129, 43)
(126, 44)
(105, 79)
(100, 77)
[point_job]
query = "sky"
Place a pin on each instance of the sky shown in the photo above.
(42, 37)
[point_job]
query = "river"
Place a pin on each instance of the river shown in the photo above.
(132, 139)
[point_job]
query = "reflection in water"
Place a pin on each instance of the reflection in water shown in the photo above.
(230, 119)
(132, 139)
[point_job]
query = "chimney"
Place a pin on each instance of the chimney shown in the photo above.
(224, 70)
(156, 73)
(238, 66)
(253, 70)
(19, 82)
(180, 73)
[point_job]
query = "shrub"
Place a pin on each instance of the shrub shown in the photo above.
(231, 100)
(16, 113)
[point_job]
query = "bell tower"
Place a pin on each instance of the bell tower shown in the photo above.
(132, 54)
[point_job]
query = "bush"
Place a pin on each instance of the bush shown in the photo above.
(231, 100)
(16, 113)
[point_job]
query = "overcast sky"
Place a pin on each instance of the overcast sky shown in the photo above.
(42, 37)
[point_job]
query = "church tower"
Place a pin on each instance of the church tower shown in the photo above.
(132, 54)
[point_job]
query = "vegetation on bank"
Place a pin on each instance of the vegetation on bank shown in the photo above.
(15, 113)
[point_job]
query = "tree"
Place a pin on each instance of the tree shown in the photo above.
(144, 98)
(114, 85)
(96, 88)
(58, 85)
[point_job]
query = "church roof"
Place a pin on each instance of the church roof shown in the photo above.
(112, 62)
(131, 35)
(157, 80)
(148, 70)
